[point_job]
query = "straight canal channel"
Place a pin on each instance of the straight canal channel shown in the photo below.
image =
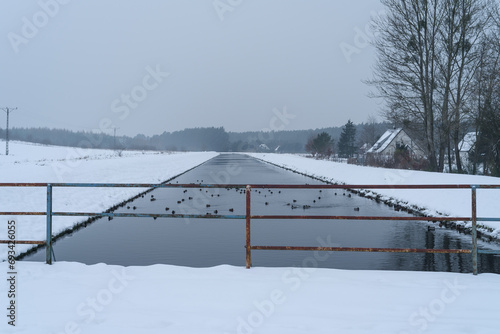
(211, 242)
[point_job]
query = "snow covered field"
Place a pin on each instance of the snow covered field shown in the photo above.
(77, 298)
(38, 163)
(456, 203)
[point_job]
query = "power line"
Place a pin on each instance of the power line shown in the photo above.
(7, 110)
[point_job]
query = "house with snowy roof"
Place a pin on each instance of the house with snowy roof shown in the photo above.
(386, 145)
(466, 145)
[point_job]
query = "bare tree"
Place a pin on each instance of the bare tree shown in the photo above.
(428, 54)
(406, 69)
(485, 106)
(472, 21)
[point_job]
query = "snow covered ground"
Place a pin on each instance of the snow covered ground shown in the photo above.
(28, 162)
(76, 298)
(456, 203)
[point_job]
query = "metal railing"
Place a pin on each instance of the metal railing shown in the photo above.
(248, 215)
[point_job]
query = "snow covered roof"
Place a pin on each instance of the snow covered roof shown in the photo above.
(468, 142)
(384, 141)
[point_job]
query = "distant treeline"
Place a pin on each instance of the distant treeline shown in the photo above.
(197, 139)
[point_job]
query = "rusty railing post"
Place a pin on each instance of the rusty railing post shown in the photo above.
(48, 243)
(248, 246)
(474, 230)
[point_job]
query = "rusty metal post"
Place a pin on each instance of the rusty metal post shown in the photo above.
(48, 245)
(248, 211)
(474, 231)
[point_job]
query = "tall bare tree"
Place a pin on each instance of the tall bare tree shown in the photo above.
(405, 74)
(485, 106)
(428, 53)
(473, 22)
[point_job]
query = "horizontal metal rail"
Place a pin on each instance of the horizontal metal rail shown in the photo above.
(383, 218)
(141, 215)
(360, 249)
(145, 215)
(248, 216)
(23, 242)
(256, 186)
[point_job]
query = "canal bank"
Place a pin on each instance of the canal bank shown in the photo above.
(211, 242)
(34, 163)
(418, 202)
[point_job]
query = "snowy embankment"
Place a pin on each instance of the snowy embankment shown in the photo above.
(456, 202)
(44, 164)
(76, 298)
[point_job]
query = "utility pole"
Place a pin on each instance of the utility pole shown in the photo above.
(7, 110)
(114, 137)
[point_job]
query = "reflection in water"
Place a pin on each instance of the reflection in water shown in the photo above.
(210, 242)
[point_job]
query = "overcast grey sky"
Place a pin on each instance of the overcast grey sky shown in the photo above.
(148, 66)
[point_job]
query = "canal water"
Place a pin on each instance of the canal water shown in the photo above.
(211, 242)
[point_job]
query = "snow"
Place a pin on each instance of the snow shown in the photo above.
(28, 162)
(451, 202)
(76, 298)
(468, 142)
(384, 141)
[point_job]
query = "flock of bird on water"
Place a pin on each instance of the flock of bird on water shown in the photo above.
(293, 205)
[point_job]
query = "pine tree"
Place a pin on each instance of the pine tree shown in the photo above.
(347, 146)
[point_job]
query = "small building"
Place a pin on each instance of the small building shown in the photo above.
(263, 148)
(387, 143)
(466, 146)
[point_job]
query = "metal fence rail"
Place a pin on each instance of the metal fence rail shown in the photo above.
(248, 216)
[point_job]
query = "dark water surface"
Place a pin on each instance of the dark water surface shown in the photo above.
(210, 242)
